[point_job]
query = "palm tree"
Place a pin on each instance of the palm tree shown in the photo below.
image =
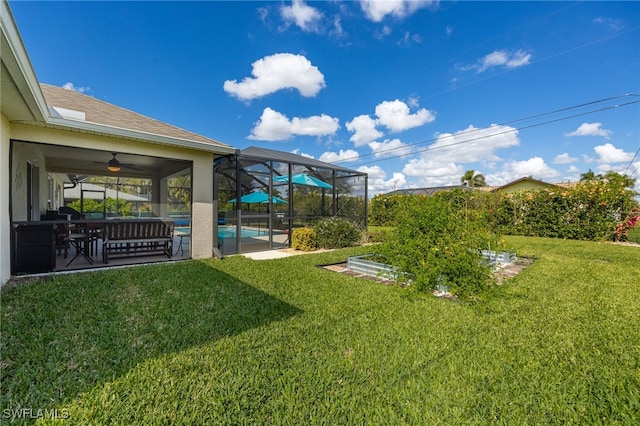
(588, 176)
(473, 179)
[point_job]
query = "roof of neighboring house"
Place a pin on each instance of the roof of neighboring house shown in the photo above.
(523, 179)
(427, 191)
(72, 105)
(434, 189)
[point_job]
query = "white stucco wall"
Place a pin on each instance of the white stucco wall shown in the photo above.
(23, 154)
(202, 209)
(5, 224)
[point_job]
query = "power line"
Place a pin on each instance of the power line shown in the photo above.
(631, 162)
(404, 147)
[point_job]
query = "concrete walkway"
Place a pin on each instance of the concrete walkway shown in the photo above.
(279, 253)
(268, 254)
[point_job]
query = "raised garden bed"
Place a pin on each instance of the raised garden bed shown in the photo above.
(371, 266)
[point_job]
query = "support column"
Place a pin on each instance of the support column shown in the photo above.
(203, 238)
(155, 196)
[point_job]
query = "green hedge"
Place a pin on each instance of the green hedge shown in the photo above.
(588, 211)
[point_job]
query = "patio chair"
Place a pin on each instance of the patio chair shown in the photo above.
(62, 241)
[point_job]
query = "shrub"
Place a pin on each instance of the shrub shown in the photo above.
(336, 232)
(432, 245)
(383, 209)
(377, 236)
(304, 239)
(623, 229)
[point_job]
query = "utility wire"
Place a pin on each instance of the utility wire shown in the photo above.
(631, 162)
(511, 130)
(405, 146)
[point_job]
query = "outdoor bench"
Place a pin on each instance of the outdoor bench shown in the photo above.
(136, 237)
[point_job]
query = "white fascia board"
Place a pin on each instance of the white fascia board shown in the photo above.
(133, 134)
(25, 71)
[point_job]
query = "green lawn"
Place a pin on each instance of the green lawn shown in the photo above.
(239, 341)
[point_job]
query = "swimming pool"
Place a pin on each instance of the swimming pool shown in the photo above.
(228, 231)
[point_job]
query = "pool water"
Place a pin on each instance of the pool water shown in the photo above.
(229, 231)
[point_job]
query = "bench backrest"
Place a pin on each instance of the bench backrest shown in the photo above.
(138, 229)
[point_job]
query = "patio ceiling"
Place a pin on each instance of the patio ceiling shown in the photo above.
(80, 161)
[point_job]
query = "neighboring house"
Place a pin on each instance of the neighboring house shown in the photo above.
(48, 134)
(526, 183)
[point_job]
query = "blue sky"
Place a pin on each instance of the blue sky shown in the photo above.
(413, 92)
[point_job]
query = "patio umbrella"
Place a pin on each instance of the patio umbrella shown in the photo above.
(303, 179)
(259, 197)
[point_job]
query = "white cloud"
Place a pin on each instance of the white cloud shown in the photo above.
(383, 32)
(433, 172)
(337, 30)
(564, 158)
(302, 154)
(389, 147)
(378, 183)
(277, 72)
(74, 88)
(615, 25)
(590, 129)
(409, 38)
(534, 167)
(474, 144)
(307, 18)
(396, 117)
(377, 10)
(608, 153)
(275, 126)
(443, 162)
(573, 169)
(501, 58)
(343, 155)
(364, 130)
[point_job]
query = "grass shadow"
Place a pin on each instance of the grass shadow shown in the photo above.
(63, 336)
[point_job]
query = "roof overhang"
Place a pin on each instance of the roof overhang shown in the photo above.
(104, 130)
(21, 97)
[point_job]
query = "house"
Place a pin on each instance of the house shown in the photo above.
(526, 183)
(48, 134)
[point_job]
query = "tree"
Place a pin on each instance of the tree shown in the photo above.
(615, 178)
(473, 179)
(590, 175)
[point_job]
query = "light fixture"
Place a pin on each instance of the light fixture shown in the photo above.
(114, 165)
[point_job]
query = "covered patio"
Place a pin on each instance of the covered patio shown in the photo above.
(292, 191)
(97, 149)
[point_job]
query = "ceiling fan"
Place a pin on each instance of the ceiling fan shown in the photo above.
(114, 165)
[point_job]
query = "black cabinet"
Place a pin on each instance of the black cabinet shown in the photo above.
(34, 248)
